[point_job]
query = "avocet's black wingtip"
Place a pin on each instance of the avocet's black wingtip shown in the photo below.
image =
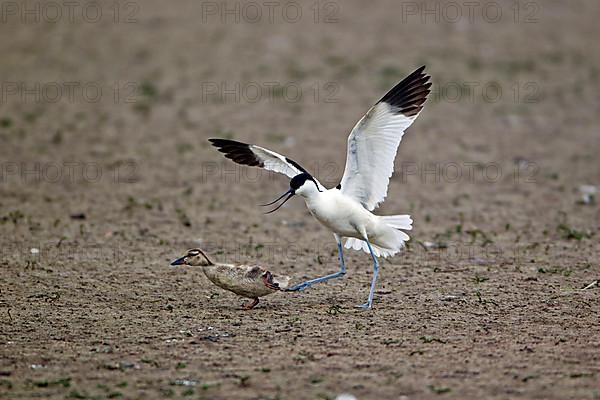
(408, 96)
(218, 142)
(239, 152)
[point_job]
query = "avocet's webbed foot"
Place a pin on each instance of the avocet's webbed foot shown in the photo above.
(366, 305)
(296, 288)
(299, 287)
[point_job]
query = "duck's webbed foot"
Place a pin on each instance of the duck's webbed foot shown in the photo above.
(251, 305)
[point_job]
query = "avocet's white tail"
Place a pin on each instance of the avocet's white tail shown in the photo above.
(391, 240)
(398, 221)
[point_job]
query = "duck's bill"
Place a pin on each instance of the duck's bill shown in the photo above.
(290, 193)
(179, 261)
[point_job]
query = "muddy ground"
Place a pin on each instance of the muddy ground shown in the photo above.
(105, 183)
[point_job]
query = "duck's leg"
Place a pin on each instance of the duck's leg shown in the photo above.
(369, 302)
(341, 272)
(250, 306)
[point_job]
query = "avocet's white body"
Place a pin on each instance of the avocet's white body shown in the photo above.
(347, 209)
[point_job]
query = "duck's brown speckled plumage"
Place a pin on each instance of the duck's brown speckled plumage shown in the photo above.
(251, 281)
(246, 280)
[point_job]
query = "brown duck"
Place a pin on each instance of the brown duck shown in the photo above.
(249, 281)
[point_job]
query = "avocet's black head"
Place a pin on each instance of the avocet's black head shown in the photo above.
(299, 180)
(297, 183)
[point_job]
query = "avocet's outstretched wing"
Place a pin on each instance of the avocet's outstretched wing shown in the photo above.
(256, 156)
(374, 141)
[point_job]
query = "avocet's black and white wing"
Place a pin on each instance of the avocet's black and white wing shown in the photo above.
(256, 156)
(374, 141)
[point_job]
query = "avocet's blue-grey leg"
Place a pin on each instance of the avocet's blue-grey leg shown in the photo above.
(369, 302)
(342, 271)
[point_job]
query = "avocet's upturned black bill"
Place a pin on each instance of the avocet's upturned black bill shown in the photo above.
(279, 198)
(289, 192)
(296, 182)
(346, 210)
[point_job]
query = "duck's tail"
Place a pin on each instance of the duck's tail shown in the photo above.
(390, 243)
